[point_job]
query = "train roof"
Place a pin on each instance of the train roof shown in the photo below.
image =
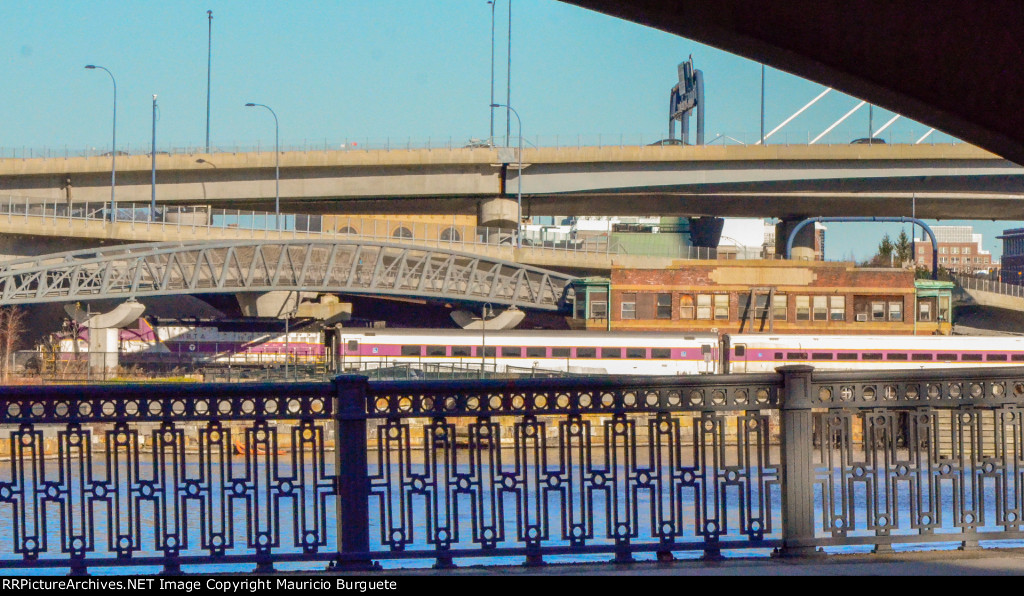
(536, 334)
(858, 341)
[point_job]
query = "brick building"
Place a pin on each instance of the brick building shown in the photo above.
(765, 297)
(960, 250)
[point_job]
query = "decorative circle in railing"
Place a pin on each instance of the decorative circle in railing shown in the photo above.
(955, 390)
(696, 397)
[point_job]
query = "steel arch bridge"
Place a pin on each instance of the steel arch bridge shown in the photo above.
(345, 267)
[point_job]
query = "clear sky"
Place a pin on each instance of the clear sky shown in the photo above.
(377, 71)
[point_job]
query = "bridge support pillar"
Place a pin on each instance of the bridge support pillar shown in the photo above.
(803, 244)
(498, 212)
(104, 332)
(273, 305)
(706, 232)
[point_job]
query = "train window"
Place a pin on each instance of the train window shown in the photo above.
(796, 356)
(846, 356)
(461, 351)
(778, 355)
(661, 353)
(970, 357)
(871, 356)
(586, 352)
(559, 352)
(411, 350)
(636, 353)
(947, 356)
(822, 356)
(611, 352)
(507, 351)
(928, 357)
(437, 351)
(1017, 357)
(996, 357)
(896, 356)
(741, 350)
(353, 345)
(536, 352)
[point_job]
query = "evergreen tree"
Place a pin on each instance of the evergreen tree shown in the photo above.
(904, 249)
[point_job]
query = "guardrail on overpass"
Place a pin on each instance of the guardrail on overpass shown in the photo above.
(350, 472)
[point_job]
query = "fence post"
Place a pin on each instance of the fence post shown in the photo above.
(796, 452)
(353, 476)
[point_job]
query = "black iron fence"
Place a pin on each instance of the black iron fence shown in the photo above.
(347, 473)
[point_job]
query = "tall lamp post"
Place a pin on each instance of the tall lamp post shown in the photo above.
(113, 146)
(485, 314)
(519, 178)
(277, 166)
(209, 59)
(152, 201)
(491, 138)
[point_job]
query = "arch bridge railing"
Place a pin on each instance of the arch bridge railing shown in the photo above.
(347, 267)
(349, 472)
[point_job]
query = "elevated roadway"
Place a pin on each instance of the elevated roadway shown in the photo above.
(948, 181)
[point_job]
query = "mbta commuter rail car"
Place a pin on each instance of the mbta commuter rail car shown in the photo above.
(578, 352)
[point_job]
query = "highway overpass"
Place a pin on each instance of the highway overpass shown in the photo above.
(947, 181)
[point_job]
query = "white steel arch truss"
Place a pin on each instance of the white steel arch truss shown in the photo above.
(344, 267)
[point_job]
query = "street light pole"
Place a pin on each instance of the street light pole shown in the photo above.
(487, 311)
(152, 201)
(508, 84)
(519, 177)
(277, 166)
(209, 56)
(493, 5)
(113, 146)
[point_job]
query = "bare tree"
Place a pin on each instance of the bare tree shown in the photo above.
(12, 325)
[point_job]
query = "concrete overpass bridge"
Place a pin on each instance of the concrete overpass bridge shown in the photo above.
(786, 181)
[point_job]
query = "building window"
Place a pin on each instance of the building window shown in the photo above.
(704, 306)
(967, 251)
(779, 309)
(942, 250)
(942, 259)
(401, 232)
(920, 261)
(877, 311)
(803, 308)
(722, 307)
(956, 250)
(664, 310)
(837, 308)
(925, 311)
(599, 305)
(628, 306)
(451, 235)
(820, 308)
(955, 260)
(920, 250)
(686, 306)
(895, 311)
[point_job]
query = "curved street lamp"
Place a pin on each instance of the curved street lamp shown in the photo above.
(519, 178)
(277, 166)
(113, 146)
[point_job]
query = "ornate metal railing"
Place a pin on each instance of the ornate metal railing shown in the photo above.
(347, 473)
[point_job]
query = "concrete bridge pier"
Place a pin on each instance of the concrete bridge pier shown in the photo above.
(271, 305)
(706, 232)
(803, 244)
(104, 332)
(498, 212)
(504, 320)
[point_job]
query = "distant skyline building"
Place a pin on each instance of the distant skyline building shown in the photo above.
(1012, 265)
(960, 250)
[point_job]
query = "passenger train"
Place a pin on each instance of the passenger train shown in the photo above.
(581, 352)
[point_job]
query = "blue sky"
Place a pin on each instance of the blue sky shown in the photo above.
(380, 71)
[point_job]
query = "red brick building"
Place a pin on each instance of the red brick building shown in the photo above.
(960, 250)
(768, 297)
